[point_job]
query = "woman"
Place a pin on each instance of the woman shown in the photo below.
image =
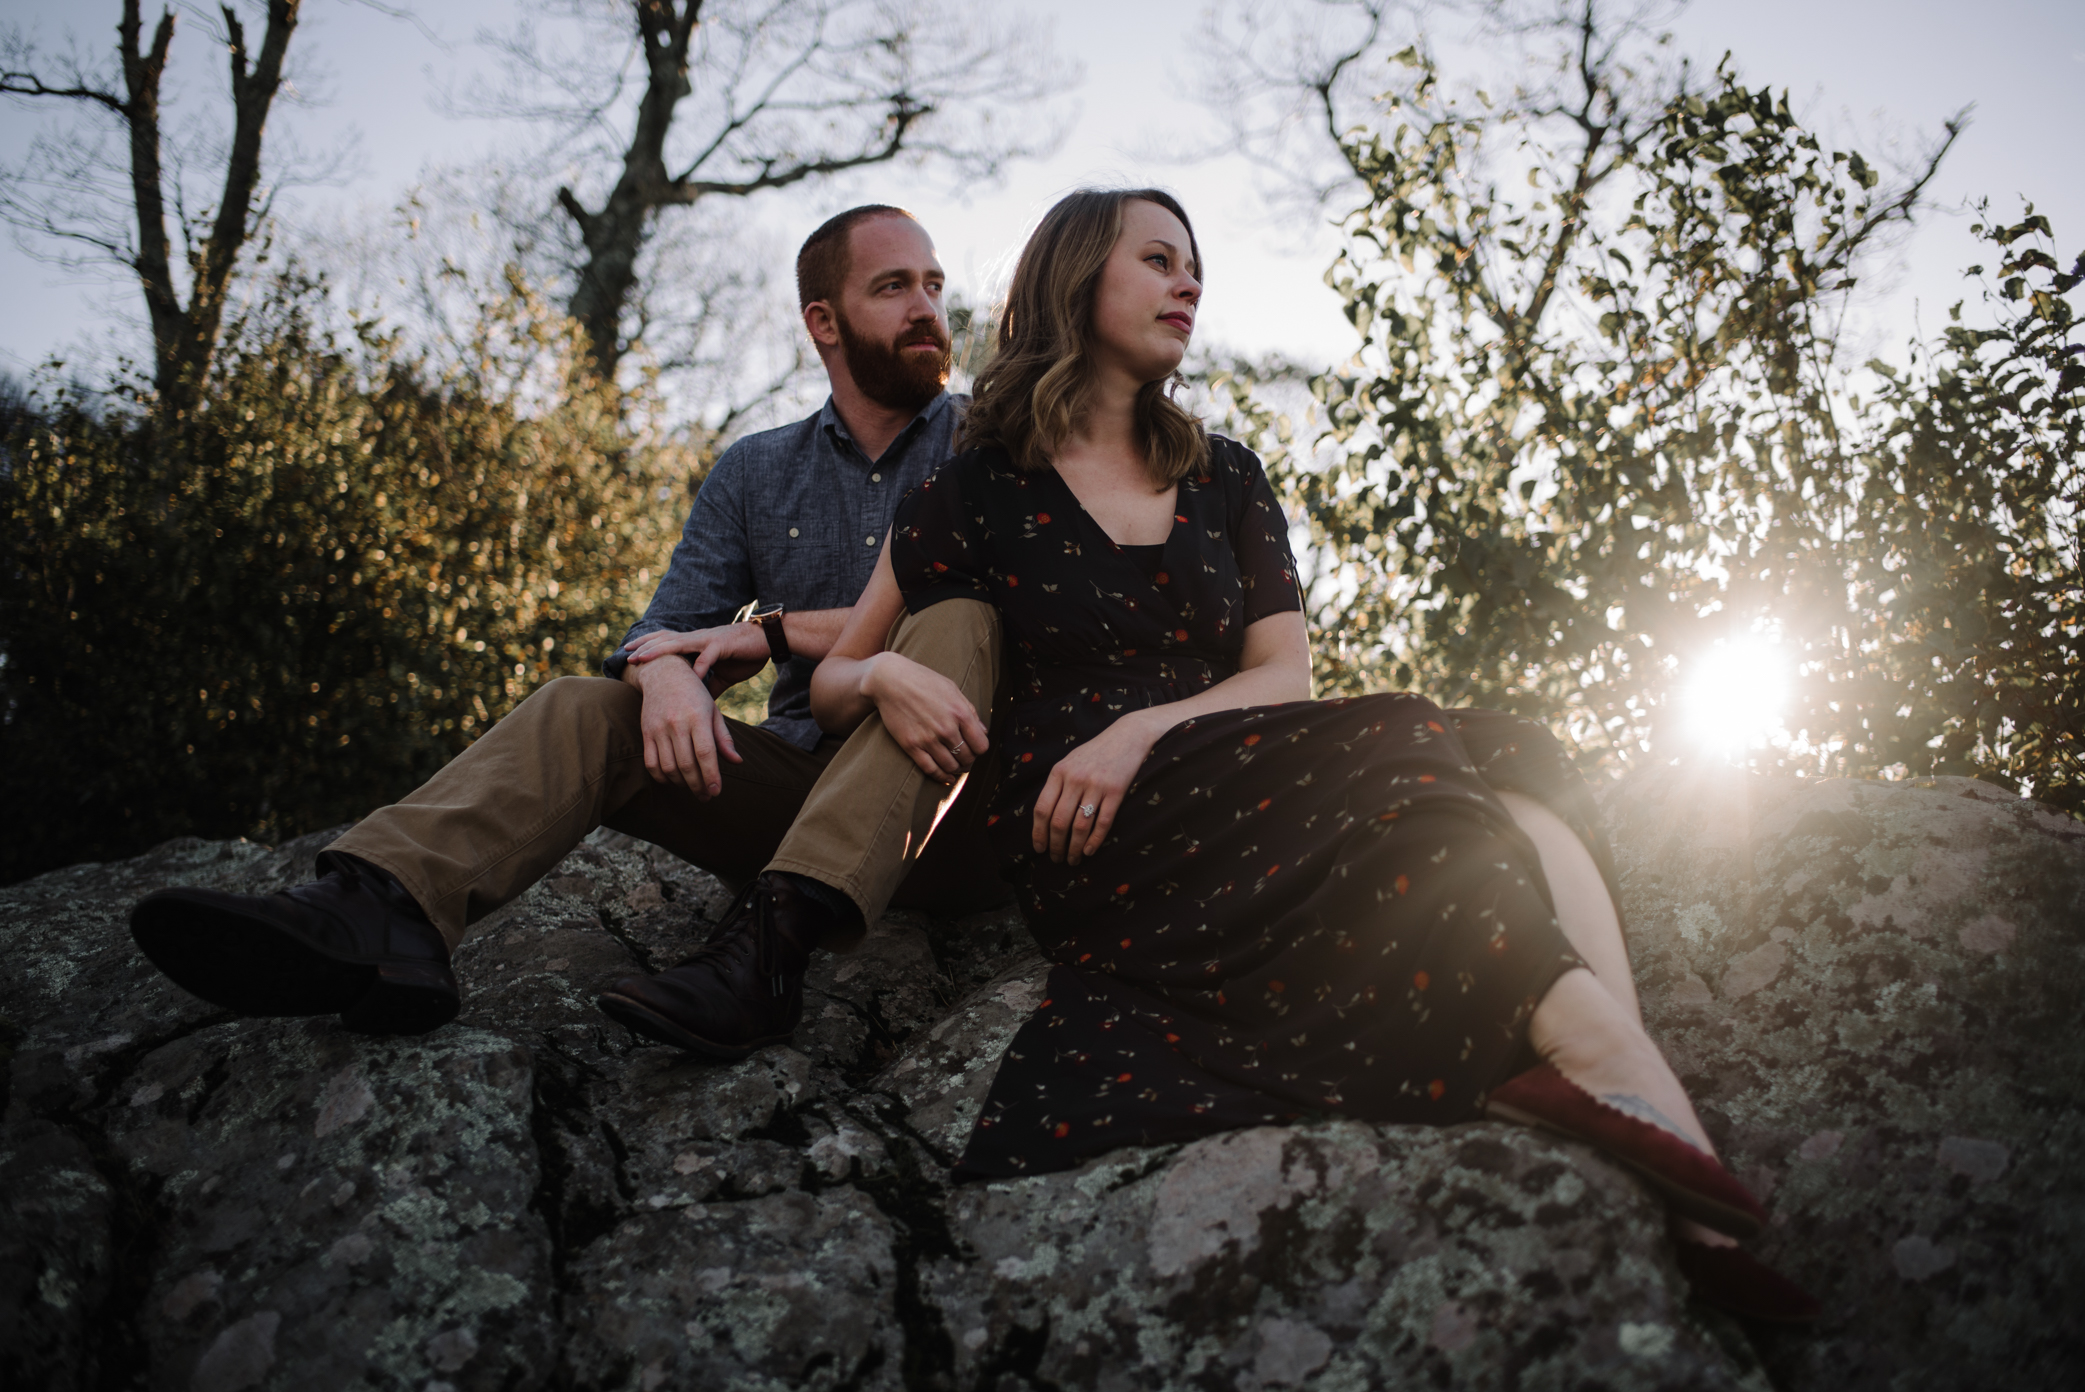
(1260, 907)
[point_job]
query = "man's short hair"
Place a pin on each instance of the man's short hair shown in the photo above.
(822, 265)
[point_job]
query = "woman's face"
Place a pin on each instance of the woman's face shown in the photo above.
(1144, 306)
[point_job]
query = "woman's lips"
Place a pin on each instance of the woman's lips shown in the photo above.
(1181, 322)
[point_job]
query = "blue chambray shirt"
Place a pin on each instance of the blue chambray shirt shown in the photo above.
(792, 516)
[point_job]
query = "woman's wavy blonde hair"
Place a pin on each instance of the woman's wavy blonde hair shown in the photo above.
(1033, 394)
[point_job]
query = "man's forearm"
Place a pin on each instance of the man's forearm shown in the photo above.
(812, 632)
(633, 674)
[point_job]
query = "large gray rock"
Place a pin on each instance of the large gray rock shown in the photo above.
(1872, 991)
(1870, 988)
(1336, 1255)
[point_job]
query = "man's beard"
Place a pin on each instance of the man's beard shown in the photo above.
(890, 376)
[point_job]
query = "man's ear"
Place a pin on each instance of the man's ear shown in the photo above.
(820, 323)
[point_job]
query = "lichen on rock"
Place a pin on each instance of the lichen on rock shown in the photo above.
(1869, 988)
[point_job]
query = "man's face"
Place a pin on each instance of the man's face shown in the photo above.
(893, 329)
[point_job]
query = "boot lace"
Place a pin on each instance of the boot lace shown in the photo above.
(748, 928)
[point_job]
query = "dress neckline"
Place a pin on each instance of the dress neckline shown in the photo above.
(1149, 558)
(1123, 546)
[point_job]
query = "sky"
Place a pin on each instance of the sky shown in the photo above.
(1870, 71)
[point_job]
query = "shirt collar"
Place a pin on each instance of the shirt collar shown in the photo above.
(829, 419)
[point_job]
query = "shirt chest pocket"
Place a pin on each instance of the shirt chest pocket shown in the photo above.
(805, 563)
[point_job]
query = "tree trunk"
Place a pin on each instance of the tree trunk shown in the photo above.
(183, 338)
(615, 235)
(141, 75)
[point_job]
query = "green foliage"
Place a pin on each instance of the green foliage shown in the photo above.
(1600, 426)
(1967, 555)
(301, 600)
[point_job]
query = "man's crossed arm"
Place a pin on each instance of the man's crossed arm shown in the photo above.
(686, 738)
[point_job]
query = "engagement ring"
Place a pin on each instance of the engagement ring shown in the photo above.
(1086, 809)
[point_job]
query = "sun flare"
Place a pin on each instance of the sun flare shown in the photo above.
(1734, 693)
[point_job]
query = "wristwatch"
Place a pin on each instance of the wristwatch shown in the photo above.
(770, 621)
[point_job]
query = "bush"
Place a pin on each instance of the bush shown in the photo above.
(1967, 549)
(1600, 439)
(301, 600)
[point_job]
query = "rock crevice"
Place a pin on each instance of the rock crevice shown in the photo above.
(1871, 989)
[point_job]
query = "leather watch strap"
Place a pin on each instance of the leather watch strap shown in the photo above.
(770, 621)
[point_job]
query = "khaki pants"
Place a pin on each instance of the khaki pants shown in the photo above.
(855, 814)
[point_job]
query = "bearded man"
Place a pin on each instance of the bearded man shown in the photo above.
(823, 833)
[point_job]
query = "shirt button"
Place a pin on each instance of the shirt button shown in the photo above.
(868, 541)
(792, 531)
(875, 478)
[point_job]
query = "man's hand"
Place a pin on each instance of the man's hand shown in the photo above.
(927, 714)
(722, 656)
(686, 740)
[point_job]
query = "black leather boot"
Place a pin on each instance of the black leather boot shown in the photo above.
(352, 942)
(744, 989)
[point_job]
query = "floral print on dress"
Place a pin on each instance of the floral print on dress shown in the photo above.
(1312, 908)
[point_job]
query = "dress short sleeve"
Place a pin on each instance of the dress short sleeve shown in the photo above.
(939, 546)
(1259, 535)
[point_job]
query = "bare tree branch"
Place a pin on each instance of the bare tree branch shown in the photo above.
(404, 12)
(183, 335)
(1287, 83)
(253, 92)
(732, 98)
(24, 84)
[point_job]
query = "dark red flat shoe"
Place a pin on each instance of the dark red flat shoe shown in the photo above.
(1738, 1283)
(1692, 1179)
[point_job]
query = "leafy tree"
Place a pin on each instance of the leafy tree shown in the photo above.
(1574, 406)
(1604, 426)
(1967, 552)
(302, 600)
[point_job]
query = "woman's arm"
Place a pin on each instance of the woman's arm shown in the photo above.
(1274, 667)
(837, 701)
(926, 713)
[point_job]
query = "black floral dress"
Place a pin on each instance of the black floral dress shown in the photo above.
(1317, 907)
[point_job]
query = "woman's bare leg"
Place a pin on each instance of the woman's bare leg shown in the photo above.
(1590, 1027)
(1592, 1040)
(1584, 910)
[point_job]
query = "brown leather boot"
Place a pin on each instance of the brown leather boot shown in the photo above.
(744, 989)
(352, 941)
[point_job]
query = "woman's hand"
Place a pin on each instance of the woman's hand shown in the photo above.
(926, 713)
(1097, 774)
(1274, 667)
(723, 657)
